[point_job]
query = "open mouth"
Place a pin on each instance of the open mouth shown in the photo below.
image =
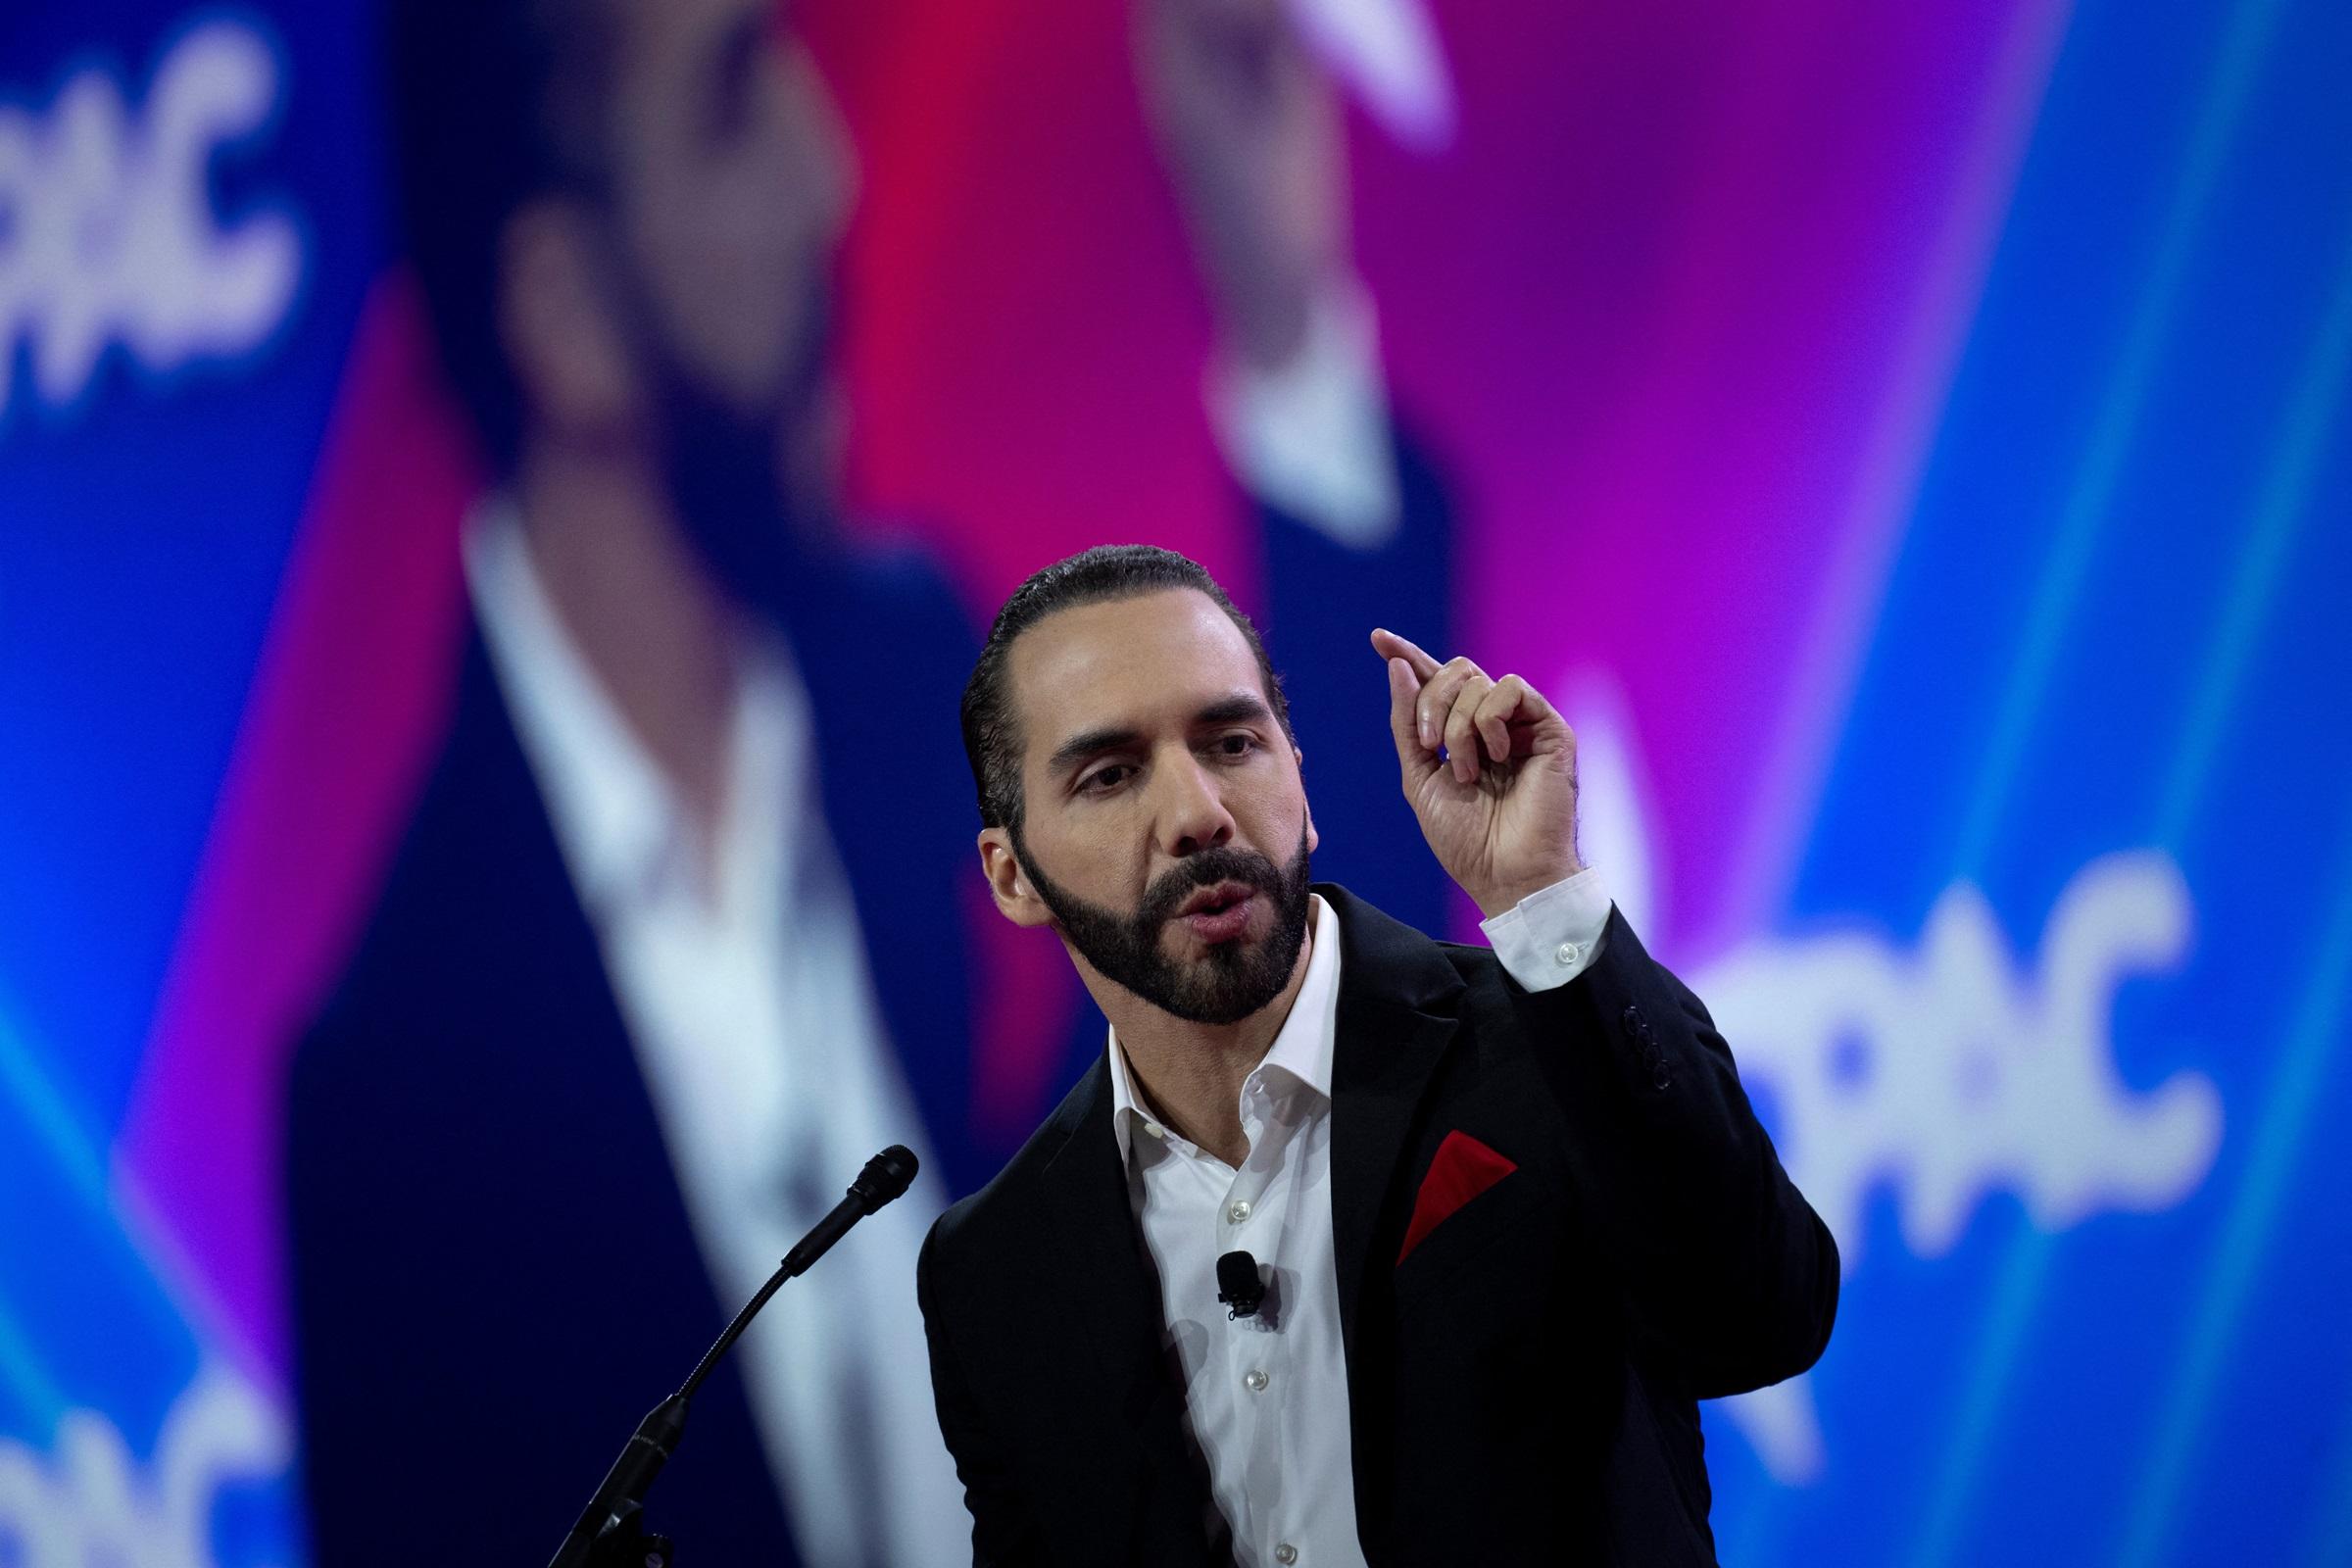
(1219, 913)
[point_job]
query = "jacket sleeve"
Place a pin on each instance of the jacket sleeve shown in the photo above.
(1004, 1534)
(1727, 1269)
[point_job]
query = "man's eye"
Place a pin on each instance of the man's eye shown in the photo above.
(1103, 779)
(1238, 745)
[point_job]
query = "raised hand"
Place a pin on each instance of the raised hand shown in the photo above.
(1489, 767)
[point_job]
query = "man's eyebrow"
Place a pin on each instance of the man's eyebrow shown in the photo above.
(1078, 747)
(1237, 709)
(1234, 709)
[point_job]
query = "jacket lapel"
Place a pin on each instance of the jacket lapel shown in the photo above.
(1103, 1259)
(1398, 1014)
(1106, 1294)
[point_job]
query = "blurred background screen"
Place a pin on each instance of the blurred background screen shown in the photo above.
(1909, 442)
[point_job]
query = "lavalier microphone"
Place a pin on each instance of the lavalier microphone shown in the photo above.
(1239, 1285)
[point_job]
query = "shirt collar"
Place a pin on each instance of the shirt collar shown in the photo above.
(1302, 1049)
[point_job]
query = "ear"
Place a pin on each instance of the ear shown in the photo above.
(556, 323)
(1016, 899)
(1314, 841)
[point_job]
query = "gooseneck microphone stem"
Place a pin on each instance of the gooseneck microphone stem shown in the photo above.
(812, 1247)
(610, 1529)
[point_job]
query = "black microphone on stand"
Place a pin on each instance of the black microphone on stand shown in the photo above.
(610, 1529)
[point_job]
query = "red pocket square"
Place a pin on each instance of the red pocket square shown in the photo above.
(1463, 1169)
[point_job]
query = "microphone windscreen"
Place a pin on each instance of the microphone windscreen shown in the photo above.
(886, 1176)
(1238, 1282)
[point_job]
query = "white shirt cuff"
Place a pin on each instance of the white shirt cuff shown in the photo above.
(1549, 938)
(1312, 437)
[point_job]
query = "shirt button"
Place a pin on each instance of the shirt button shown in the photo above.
(1285, 1554)
(1156, 1129)
(1567, 952)
(1255, 1381)
(1238, 1212)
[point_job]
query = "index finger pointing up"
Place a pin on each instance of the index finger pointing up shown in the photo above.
(1404, 690)
(1388, 645)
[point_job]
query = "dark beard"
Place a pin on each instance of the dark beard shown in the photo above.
(1234, 980)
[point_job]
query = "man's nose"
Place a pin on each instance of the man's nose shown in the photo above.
(1192, 813)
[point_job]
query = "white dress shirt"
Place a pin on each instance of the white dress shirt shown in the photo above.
(745, 994)
(1267, 1396)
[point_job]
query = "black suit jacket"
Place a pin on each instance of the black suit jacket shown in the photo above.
(1522, 1386)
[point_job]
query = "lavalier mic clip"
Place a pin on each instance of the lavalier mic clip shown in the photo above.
(1239, 1285)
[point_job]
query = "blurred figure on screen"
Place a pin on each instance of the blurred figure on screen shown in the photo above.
(673, 942)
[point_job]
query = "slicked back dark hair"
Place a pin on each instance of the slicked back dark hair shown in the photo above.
(991, 737)
(492, 103)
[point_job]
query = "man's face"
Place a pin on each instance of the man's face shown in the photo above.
(1164, 822)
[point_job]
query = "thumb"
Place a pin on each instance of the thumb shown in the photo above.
(1404, 690)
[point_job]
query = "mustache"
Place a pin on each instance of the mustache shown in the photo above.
(1167, 893)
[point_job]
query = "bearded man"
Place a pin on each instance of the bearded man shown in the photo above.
(1353, 1246)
